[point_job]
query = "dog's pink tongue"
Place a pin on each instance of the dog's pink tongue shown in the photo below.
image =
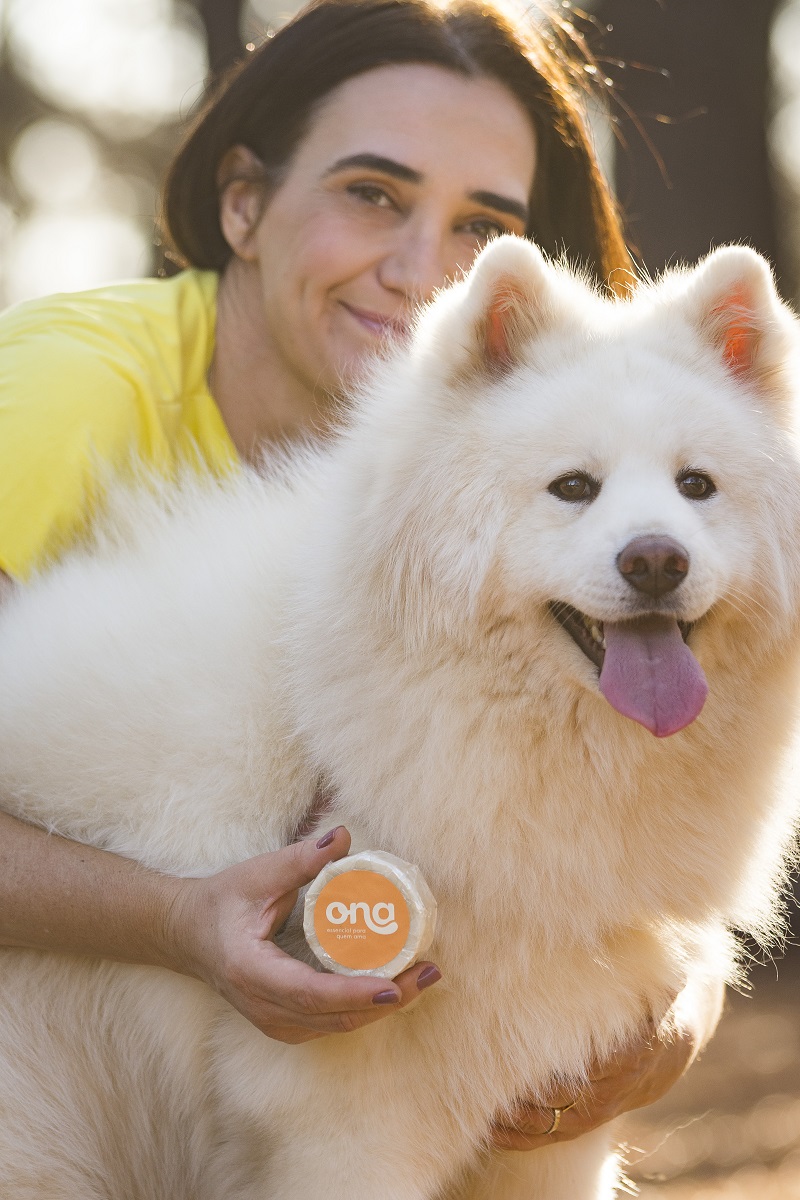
(651, 675)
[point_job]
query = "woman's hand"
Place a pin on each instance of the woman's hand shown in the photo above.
(221, 930)
(638, 1076)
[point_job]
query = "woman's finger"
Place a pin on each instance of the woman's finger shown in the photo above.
(296, 986)
(288, 1025)
(529, 1129)
(286, 871)
(331, 1003)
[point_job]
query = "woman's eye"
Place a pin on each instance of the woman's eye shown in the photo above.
(484, 229)
(370, 193)
(576, 487)
(695, 485)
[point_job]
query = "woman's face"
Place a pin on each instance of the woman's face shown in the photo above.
(405, 173)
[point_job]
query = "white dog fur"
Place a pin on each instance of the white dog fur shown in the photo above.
(377, 612)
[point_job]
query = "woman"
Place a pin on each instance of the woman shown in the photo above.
(356, 163)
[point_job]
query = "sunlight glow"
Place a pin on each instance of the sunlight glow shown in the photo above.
(127, 65)
(784, 131)
(54, 253)
(54, 163)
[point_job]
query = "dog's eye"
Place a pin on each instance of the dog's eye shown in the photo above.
(574, 487)
(695, 485)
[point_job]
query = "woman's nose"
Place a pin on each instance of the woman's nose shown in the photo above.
(415, 264)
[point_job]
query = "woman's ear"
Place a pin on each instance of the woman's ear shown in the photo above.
(240, 180)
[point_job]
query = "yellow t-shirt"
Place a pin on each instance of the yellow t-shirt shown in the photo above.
(100, 377)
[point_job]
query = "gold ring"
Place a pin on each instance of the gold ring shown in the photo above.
(557, 1117)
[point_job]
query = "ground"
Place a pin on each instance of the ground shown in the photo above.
(730, 1130)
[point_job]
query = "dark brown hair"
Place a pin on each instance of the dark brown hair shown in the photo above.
(270, 99)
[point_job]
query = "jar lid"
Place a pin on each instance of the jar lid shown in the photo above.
(369, 914)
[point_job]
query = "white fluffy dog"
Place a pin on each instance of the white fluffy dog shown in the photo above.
(553, 524)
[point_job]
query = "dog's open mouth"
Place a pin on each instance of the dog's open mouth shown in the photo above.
(589, 633)
(647, 670)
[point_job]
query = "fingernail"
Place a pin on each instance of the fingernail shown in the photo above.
(427, 977)
(327, 838)
(385, 998)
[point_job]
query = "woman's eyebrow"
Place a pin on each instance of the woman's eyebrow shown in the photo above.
(376, 162)
(503, 204)
(389, 166)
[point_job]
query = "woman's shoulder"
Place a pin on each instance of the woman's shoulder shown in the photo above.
(90, 381)
(124, 366)
(163, 326)
(150, 297)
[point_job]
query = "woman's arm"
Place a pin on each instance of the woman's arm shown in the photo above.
(60, 895)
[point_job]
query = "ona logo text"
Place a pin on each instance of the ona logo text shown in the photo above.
(379, 918)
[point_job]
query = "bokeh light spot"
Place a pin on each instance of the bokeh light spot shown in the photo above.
(54, 163)
(64, 253)
(137, 63)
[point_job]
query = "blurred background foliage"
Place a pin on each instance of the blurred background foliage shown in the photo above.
(703, 96)
(698, 119)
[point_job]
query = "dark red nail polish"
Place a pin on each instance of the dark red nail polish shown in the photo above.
(385, 998)
(427, 977)
(327, 838)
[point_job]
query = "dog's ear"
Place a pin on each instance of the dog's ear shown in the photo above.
(508, 302)
(736, 307)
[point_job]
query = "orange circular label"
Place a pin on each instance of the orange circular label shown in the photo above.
(361, 919)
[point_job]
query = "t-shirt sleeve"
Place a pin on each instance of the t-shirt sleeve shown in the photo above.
(67, 410)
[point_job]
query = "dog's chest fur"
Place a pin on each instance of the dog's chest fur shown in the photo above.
(382, 618)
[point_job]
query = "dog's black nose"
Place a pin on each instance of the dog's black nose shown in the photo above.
(654, 565)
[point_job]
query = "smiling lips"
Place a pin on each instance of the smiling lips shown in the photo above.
(376, 323)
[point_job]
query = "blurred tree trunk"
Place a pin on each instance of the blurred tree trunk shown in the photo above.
(705, 121)
(222, 21)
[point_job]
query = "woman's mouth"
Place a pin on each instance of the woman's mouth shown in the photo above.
(378, 324)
